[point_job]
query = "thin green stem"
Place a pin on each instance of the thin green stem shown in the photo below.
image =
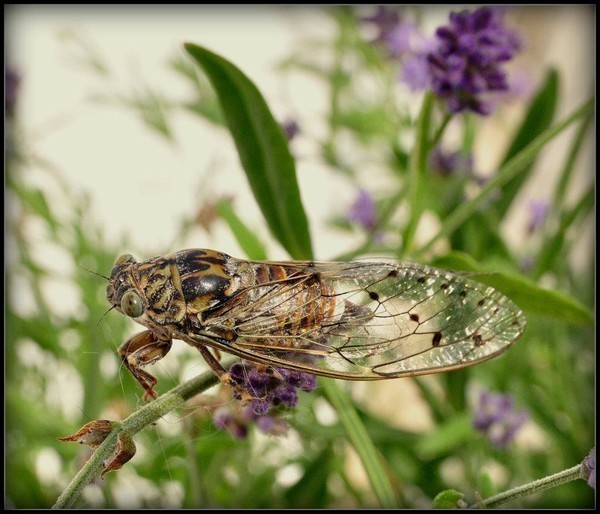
(565, 177)
(141, 418)
(504, 175)
(440, 131)
(536, 486)
(416, 174)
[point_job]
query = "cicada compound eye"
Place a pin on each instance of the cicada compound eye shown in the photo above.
(131, 304)
(122, 259)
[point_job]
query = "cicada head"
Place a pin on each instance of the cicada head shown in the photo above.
(148, 291)
(121, 290)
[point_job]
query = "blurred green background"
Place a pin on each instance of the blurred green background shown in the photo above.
(115, 142)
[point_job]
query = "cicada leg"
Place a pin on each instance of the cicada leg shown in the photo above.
(213, 362)
(139, 351)
(215, 365)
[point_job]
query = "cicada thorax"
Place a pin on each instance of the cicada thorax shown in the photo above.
(207, 279)
(160, 282)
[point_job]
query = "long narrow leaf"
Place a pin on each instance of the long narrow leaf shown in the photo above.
(263, 150)
(538, 119)
(247, 239)
(525, 293)
(362, 443)
(555, 245)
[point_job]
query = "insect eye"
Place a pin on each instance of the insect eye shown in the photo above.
(131, 304)
(124, 258)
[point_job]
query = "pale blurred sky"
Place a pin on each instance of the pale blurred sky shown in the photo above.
(142, 185)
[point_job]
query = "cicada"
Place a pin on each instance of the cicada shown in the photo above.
(351, 320)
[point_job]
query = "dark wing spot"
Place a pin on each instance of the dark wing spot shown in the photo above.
(481, 302)
(437, 337)
(477, 339)
(393, 273)
(414, 317)
(444, 286)
(462, 294)
(421, 280)
(374, 296)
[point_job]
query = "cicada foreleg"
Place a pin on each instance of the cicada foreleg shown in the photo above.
(215, 365)
(139, 351)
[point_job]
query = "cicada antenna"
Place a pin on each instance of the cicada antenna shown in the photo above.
(102, 317)
(94, 272)
(105, 277)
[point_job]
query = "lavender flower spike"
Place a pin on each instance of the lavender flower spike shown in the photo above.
(496, 417)
(363, 211)
(466, 63)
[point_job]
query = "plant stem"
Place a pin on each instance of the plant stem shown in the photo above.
(507, 172)
(534, 487)
(141, 418)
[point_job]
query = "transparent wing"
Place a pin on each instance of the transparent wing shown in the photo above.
(381, 320)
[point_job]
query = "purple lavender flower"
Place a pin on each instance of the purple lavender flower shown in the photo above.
(520, 88)
(290, 128)
(496, 417)
(415, 72)
(268, 424)
(393, 33)
(12, 83)
(362, 211)
(445, 163)
(538, 212)
(238, 421)
(465, 63)
(588, 468)
(267, 388)
(270, 387)
(225, 418)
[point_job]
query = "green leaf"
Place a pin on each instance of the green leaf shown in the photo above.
(446, 438)
(153, 109)
(525, 293)
(35, 199)
(263, 150)
(554, 246)
(538, 119)
(247, 240)
(367, 122)
(448, 499)
(486, 485)
(359, 437)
